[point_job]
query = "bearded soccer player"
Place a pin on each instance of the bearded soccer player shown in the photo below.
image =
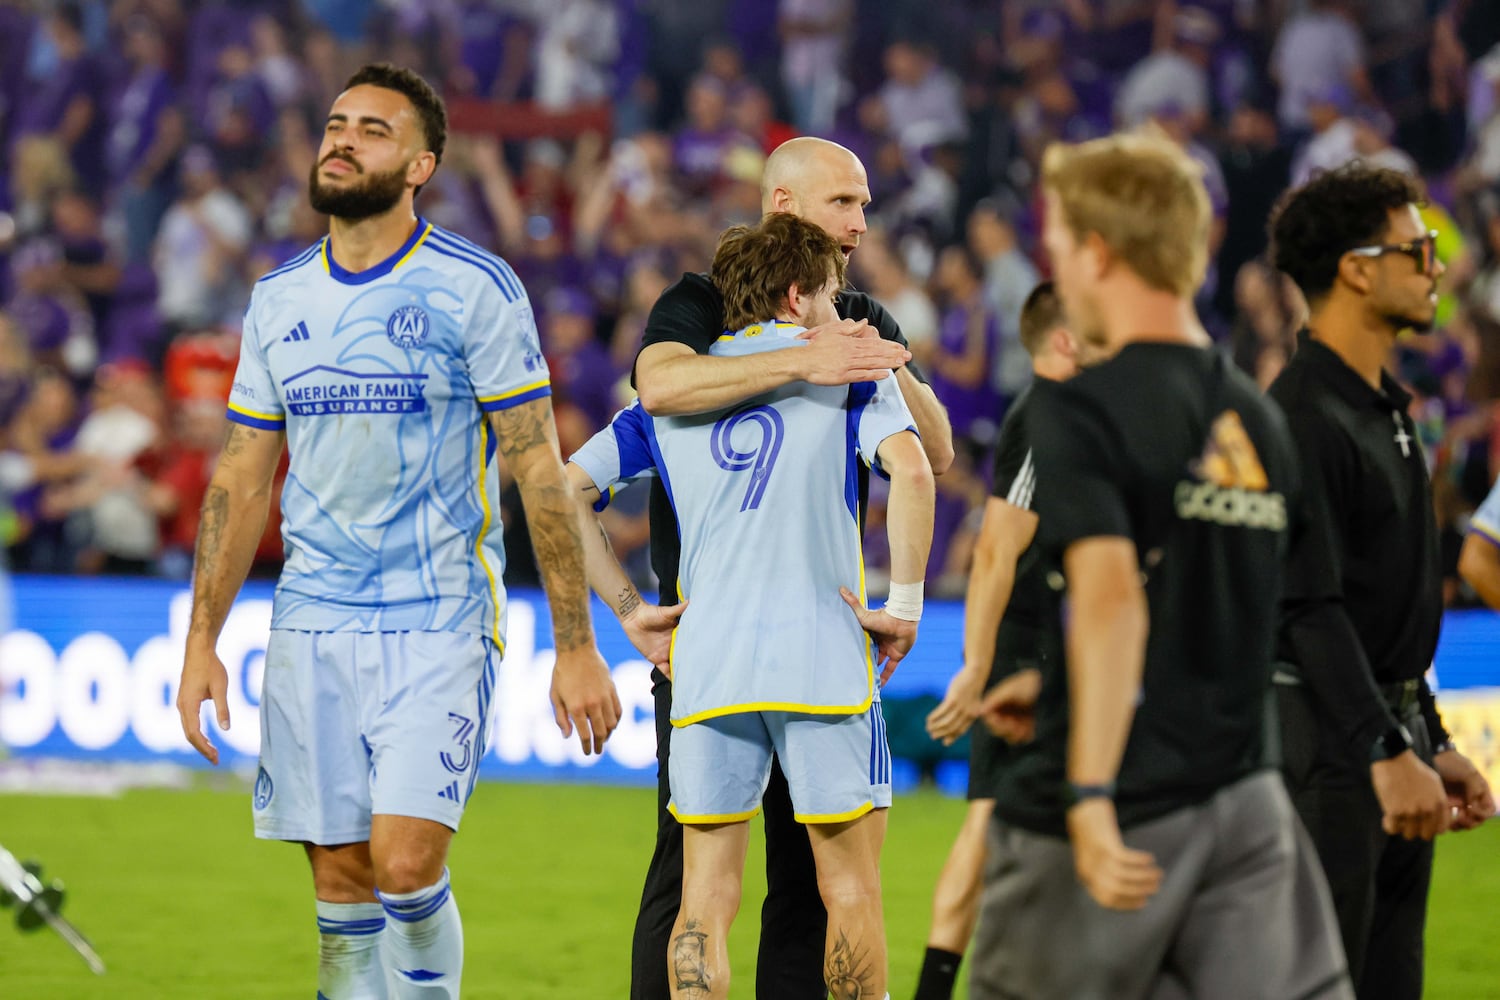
(394, 359)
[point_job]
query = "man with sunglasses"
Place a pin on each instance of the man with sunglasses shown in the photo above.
(1370, 767)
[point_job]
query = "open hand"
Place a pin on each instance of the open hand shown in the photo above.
(893, 637)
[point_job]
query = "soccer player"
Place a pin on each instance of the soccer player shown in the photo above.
(394, 359)
(767, 657)
(1364, 751)
(1151, 849)
(1005, 614)
(825, 184)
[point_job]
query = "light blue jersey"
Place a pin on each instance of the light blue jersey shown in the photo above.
(766, 500)
(381, 380)
(1486, 520)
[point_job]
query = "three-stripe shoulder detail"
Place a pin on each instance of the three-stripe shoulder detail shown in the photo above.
(446, 243)
(305, 257)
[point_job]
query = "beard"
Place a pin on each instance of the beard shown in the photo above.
(371, 195)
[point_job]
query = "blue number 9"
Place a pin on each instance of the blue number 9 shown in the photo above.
(761, 459)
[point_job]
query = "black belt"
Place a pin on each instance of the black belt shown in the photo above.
(1401, 696)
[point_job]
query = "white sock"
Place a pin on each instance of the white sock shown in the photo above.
(424, 943)
(349, 966)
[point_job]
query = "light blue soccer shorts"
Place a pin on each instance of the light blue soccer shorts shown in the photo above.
(358, 723)
(837, 766)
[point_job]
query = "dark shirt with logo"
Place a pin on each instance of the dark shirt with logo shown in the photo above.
(1171, 447)
(1364, 597)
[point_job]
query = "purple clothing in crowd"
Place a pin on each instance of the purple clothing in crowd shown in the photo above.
(967, 407)
(137, 117)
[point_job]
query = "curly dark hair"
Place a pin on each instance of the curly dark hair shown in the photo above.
(1314, 225)
(429, 106)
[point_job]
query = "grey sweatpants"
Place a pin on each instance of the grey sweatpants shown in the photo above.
(1243, 912)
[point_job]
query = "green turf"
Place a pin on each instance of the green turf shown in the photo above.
(182, 902)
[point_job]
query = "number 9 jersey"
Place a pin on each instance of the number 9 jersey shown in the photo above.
(766, 501)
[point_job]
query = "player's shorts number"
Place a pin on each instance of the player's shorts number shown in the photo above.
(761, 458)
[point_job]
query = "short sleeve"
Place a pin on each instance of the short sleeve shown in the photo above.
(860, 305)
(618, 455)
(1079, 482)
(1486, 520)
(501, 345)
(253, 399)
(1015, 472)
(877, 410)
(690, 312)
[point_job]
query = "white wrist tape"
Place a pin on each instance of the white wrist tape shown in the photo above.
(905, 601)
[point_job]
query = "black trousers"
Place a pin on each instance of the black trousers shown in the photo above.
(1379, 882)
(793, 921)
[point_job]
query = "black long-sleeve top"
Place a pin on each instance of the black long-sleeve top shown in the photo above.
(1363, 599)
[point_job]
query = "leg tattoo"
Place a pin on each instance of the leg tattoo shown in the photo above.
(848, 971)
(690, 961)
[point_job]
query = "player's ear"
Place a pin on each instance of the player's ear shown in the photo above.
(1097, 255)
(421, 169)
(796, 299)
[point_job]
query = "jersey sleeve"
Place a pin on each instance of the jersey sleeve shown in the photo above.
(1078, 480)
(253, 400)
(618, 455)
(501, 345)
(689, 312)
(860, 305)
(877, 410)
(1015, 472)
(1486, 520)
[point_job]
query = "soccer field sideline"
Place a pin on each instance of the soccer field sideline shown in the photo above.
(182, 902)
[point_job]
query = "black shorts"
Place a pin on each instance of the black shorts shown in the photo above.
(1017, 648)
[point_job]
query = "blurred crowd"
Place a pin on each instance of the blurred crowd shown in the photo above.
(156, 155)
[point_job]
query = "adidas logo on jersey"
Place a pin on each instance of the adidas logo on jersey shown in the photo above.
(299, 333)
(1232, 488)
(450, 793)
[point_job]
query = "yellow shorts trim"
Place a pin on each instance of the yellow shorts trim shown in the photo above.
(836, 817)
(711, 819)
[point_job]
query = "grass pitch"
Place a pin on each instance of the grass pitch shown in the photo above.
(182, 902)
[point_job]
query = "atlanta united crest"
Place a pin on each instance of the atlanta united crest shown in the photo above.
(408, 327)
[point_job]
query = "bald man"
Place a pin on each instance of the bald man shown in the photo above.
(826, 184)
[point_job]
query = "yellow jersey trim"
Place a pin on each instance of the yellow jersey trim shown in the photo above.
(773, 706)
(484, 530)
(715, 818)
(276, 417)
(420, 240)
(515, 392)
(843, 817)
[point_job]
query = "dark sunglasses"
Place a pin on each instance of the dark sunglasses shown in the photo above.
(1423, 250)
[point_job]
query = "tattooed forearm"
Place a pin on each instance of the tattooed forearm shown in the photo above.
(690, 962)
(630, 599)
(526, 437)
(849, 972)
(230, 524)
(206, 557)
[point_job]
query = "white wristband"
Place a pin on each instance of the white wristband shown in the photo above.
(905, 601)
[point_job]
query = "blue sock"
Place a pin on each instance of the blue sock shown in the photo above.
(349, 966)
(424, 943)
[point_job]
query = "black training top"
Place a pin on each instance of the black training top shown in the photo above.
(691, 312)
(1015, 483)
(1364, 597)
(1169, 446)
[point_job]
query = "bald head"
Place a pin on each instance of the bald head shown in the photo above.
(821, 182)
